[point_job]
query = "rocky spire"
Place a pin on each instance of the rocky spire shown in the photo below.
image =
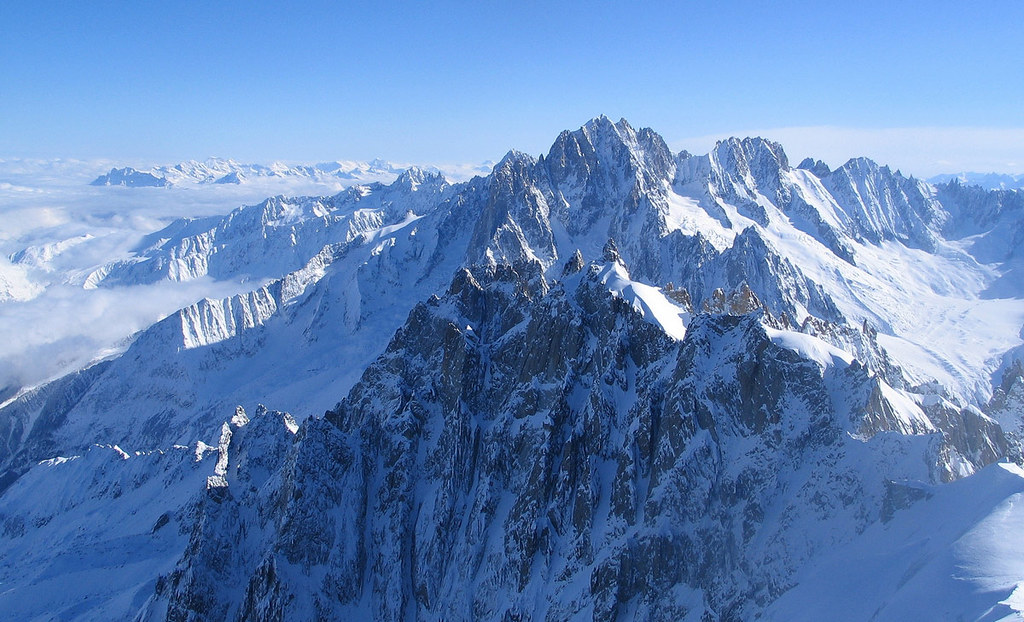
(610, 252)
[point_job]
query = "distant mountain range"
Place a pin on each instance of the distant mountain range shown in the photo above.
(225, 171)
(988, 181)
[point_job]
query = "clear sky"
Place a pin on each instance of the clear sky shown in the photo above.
(918, 84)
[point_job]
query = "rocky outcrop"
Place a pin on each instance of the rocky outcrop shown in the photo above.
(1007, 407)
(523, 450)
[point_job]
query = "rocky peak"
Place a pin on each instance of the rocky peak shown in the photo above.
(574, 264)
(513, 162)
(819, 168)
(742, 169)
(740, 301)
(130, 177)
(524, 281)
(680, 296)
(882, 204)
(610, 252)
(863, 167)
(614, 153)
(758, 157)
(513, 222)
(412, 177)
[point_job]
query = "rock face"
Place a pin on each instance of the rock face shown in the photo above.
(606, 383)
(1007, 407)
(882, 204)
(527, 450)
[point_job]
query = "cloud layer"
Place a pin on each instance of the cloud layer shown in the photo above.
(61, 229)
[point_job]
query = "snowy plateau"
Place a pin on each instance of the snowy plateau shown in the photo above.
(608, 383)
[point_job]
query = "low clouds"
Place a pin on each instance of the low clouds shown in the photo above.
(59, 229)
(65, 327)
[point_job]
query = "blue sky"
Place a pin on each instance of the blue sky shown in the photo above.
(916, 84)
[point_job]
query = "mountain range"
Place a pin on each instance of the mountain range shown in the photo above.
(988, 181)
(226, 171)
(610, 382)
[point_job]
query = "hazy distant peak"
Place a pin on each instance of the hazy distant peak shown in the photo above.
(988, 181)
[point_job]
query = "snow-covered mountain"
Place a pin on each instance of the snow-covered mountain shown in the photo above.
(609, 382)
(59, 230)
(534, 449)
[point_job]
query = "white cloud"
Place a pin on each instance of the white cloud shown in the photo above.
(65, 327)
(49, 324)
(919, 151)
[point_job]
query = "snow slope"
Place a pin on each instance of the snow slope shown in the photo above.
(955, 553)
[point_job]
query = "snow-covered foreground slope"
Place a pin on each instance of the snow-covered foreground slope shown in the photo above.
(955, 553)
(88, 536)
(609, 382)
